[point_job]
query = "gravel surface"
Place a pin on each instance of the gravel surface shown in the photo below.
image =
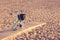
(35, 10)
(50, 31)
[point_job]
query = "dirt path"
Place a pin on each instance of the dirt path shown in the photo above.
(10, 35)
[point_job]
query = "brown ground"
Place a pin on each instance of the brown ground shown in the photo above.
(43, 31)
(49, 31)
(37, 11)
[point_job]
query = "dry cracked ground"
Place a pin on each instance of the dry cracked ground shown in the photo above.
(37, 11)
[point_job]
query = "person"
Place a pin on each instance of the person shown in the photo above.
(20, 18)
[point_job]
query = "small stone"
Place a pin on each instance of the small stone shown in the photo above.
(10, 13)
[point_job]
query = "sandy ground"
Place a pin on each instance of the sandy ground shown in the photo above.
(37, 11)
(17, 32)
(43, 31)
(48, 31)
